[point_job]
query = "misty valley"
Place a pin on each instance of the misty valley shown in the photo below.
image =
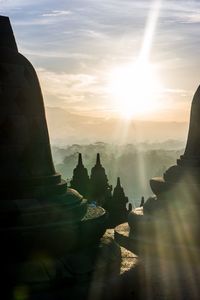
(135, 164)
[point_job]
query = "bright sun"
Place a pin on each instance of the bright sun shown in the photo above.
(135, 89)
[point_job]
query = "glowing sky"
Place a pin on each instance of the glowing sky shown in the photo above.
(77, 45)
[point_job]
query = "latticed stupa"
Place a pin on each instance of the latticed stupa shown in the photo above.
(80, 180)
(172, 216)
(99, 187)
(41, 219)
(114, 203)
(117, 205)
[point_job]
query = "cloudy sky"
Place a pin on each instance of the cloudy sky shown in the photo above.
(83, 51)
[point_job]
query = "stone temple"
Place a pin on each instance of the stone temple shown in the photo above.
(51, 237)
(97, 190)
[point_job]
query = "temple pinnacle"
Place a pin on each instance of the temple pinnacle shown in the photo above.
(6, 34)
(193, 141)
(80, 161)
(98, 161)
(118, 182)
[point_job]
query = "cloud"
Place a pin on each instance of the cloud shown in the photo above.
(68, 89)
(54, 54)
(16, 4)
(193, 18)
(57, 13)
(177, 91)
(93, 34)
(182, 11)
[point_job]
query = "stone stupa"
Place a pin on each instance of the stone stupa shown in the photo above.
(117, 205)
(41, 219)
(171, 219)
(99, 186)
(80, 180)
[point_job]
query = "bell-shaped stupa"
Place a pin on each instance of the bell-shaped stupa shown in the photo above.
(99, 186)
(187, 170)
(171, 217)
(117, 205)
(80, 180)
(26, 164)
(38, 212)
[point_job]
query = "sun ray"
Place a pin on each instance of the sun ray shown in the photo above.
(135, 87)
(150, 30)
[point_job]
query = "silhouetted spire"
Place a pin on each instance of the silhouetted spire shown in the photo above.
(98, 182)
(117, 205)
(197, 95)
(7, 39)
(98, 161)
(118, 182)
(80, 162)
(193, 142)
(80, 180)
(142, 202)
(118, 192)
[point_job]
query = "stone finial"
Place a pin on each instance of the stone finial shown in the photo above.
(80, 179)
(98, 160)
(98, 182)
(118, 190)
(7, 39)
(130, 207)
(192, 151)
(80, 161)
(118, 182)
(142, 202)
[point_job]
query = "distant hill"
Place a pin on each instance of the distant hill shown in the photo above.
(66, 128)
